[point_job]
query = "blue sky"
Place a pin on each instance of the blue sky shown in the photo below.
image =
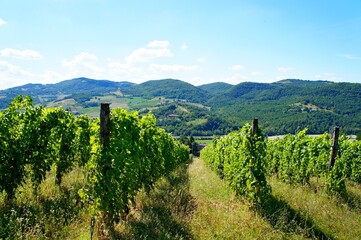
(46, 41)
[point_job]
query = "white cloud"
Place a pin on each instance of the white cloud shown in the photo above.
(173, 68)
(139, 66)
(118, 70)
(201, 60)
(83, 64)
(154, 49)
(284, 69)
(84, 58)
(184, 46)
(11, 75)
(237, 67)
(123, 67)
(158, 44)
(51, 77)
(234, 79)
(2, 22)
(255, 74)
(20, 54)
(13, 70)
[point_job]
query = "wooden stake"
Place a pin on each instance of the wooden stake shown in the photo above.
(104, 124)
(106, 218)
(254, 126)
(334, 148)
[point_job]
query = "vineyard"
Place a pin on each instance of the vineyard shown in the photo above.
(131, 154)
(245, 158)
(104, 171)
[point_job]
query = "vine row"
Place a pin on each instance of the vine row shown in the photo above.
(239, 158)
(35, 140)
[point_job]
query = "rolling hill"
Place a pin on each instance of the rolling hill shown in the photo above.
(216, 88)
(289, 105)
(217, 108)
(50, 92)
(169, 88)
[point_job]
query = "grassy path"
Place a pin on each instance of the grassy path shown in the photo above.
(194, 203)
(293, 211)
(220, 214)
(191, 203)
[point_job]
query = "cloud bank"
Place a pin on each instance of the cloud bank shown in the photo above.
(20, 54)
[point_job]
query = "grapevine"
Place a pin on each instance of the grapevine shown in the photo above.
(240, 158)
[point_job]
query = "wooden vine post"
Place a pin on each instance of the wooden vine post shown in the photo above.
(334, 148)
(107, 218)
(254, 126)
(104, 124)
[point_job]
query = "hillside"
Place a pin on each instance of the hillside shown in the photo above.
(79, 87)
(192, 119)
(302, 83)
(216, 88)
(181, 108)
(85, 85)
(169, 88)
(247, 90)
(289, 105)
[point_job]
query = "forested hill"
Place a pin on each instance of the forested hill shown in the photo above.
(217, 108)
(44, 93)
(169, 88)
(289, 105)
(216, 88)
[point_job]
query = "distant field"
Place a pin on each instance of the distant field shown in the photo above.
(92, 112)
(198, 121)
(140, 103)
(204, 139)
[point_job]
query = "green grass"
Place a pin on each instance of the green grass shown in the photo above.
(140, 103)
(162, 213)
(135, 100)
(323, 215)
(219, 213)
(191, 203)
(194, 203)
(292, 212)
(204, 141)
(198, 121)
(53, 212)
(92, 112)
(116, 101)
(118, 93)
